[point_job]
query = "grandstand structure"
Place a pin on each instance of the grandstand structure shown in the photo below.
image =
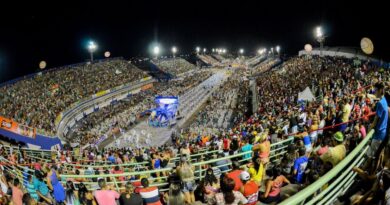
(216, 119)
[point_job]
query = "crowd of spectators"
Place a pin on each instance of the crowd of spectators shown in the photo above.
(174, 66)
(37, 101)
(119, 117)
(344, 94)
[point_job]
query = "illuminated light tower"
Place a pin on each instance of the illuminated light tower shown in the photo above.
(320, 37)
(197, 50)
(92, 48)
(156, 51)
(241, 51)
(174, 50)
(278, 49)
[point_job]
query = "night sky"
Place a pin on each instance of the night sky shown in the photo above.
(58, 32)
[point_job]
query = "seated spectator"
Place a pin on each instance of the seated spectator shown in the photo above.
(273, 185)
(228, 195)
(249, 189)
(211, 186)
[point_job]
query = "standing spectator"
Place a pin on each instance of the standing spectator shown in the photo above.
(380, 121)
(31, 189)
(129, 197)
(105, 196)
(175, 196)
(86, 197)
(186, 174)
(245, 148)
(150, 195)
(55, 185)
(72, 196)
(300, 166)
(17, 194)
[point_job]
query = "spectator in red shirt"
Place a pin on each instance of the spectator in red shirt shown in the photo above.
(250, 188)
(235, 175)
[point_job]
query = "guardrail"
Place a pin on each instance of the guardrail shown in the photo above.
(339, 179)
(277, 149)
(73, 112)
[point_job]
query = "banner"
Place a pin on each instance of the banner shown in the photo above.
(147, 86)
(15, 127)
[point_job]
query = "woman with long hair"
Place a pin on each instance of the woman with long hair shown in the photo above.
(85, 196)
(175, 196)
(211, 186)
(72, 197)
(186, 174)
(228, 195)
(273, 186)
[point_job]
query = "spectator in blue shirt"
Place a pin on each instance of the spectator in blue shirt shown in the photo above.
(300, 166)
(245, 148)
(380, 121)
(111, 158)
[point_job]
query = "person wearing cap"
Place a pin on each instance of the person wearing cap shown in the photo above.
(129, 197)
(249, 189)
(335, 154)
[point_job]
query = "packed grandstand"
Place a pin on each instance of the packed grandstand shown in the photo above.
(310, 129)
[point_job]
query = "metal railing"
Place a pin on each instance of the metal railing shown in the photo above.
(339, 179)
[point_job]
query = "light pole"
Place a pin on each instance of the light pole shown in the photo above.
(197, 50)
(241, 51)
(174, 50)
(92, 48)
(204, 50)
(320, 38)
(156, 51)
(278, 50)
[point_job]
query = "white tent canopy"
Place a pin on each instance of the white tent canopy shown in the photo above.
(306, 95)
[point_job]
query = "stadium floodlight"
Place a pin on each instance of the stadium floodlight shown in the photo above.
(92, 48)
(223, 50)
(320, 37)
(174, 50)
(204, 50)
(241, 51)
(213, 50)
(197, 49)
(319, 33)
(278, 49)
(272, 50)
(156, 51)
